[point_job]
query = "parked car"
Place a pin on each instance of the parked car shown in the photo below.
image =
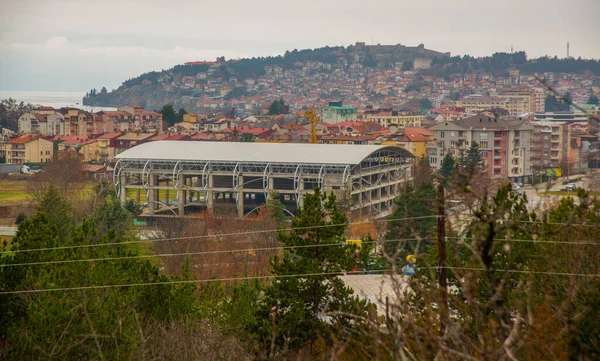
(571, 187)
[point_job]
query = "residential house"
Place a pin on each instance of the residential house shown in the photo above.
(26, 149)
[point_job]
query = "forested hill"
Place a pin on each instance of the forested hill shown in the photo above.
(227, 78)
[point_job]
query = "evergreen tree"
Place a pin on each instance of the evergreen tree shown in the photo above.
(278, 107)
(107, 323)
(180, 113)
(412, 202)
(168, 114)
(293, 311)
(593, 99)
(275, 207)
(447, 168)
(472, 160)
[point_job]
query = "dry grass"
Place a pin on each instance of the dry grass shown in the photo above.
(14, 191)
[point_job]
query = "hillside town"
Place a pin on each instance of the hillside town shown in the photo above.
(517, 138)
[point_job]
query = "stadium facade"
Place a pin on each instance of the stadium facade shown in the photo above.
(179, 177)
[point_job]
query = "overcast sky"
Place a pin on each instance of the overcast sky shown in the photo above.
(73, 45)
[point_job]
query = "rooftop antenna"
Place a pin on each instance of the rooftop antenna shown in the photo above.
(568, 55)
(511, 49)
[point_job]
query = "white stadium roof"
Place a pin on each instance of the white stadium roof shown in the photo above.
(253, 152)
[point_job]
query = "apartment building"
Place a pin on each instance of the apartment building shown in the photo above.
(107, 144)
(415, 140)
(505, 145)
(534, 99)
(397, 120)
(26, 149)
(143, 120)
(515, 105)
(41, 124)
(108, 121)
(335, 112)
(549, 144)
(87, 147)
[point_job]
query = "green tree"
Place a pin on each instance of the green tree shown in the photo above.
(11, 111)
(425, 105)
(59, 211)
(447, 169)
(275, 208)
(247, 138)
(294, 306)
(108, 323)
(2, 159)
(472, 160)
(407, 66)
(278, 107)
(168, 114)
(411, 203)
(593, 99)
(180, 113)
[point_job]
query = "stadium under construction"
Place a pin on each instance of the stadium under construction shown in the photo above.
(181, 177)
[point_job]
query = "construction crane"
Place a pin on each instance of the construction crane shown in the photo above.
(313, 117)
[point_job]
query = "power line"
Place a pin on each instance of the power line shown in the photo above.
(550, 273)
(594, 243)
(524, 271)
(238, 250)
(210, 236)
(186, 282)
(247, 250)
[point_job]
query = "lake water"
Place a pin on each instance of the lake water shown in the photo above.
(52, 99)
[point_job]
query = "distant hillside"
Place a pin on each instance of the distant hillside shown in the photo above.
(182, 84)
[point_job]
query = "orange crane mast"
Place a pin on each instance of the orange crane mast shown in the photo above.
(313, 117)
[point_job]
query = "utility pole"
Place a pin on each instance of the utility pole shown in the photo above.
(441, 241)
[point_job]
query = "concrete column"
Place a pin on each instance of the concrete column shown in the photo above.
(181, 194)
(151, 196)
(209, 193)
(240, 197)
(123, 191)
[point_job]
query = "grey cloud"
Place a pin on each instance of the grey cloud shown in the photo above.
(75, 44)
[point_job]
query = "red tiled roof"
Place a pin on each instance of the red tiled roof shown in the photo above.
(23, 140)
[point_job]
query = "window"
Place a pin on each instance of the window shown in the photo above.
(483, 154)
(452, 143)
(483, 135)
(453, 134)
(441, 134)
(545, 137)
(483, 145)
